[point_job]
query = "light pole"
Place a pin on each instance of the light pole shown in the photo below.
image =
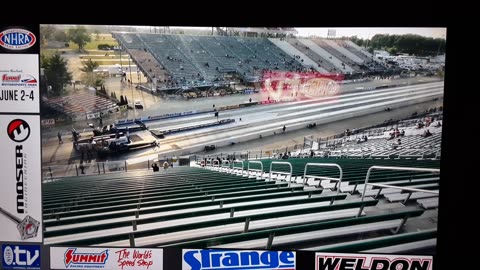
(131, 83)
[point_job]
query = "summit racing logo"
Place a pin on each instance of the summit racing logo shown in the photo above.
(198, 259)
(18, 80)
(17, 39)
(85, 260)
(18, 130)
(325, 261)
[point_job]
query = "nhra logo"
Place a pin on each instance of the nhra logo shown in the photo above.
(87, 260)
(21, 257)
(18, 80)
(369, 262)
(198, 259)
(18, 130)
(17, 39)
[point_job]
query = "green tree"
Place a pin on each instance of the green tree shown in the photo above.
(409, 43)
(89, 77)
(392, 50)
(60, 35)
(79, 36)
(97, 34)
(56, 72)
(46, 32)
(89, 66)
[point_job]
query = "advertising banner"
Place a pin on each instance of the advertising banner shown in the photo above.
(346, 261)
(106, 258)
(19, 83)
(20, 203)
(198, 259)
(20, 256)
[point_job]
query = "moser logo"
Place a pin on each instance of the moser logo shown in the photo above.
(17, 39)
(372, 262)
(198, 259)
(73, 259)
(21, 257)
(18, 130)
(25, 80)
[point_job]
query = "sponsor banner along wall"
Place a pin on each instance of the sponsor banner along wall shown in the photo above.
(347, 261)
(106, 258)
(19, 83)
(290, 86)
(20, 203)
(198, 259)
(21, 256)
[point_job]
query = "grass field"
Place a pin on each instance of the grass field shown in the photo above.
(99, 56)
(110, 62)
(93, 45)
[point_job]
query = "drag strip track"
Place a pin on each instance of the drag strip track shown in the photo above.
(296, 117)
(266, 120)
(298, 114)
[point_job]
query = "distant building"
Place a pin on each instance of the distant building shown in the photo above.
(380, 53)
(438, 59)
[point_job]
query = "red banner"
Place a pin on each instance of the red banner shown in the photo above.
(289, 86)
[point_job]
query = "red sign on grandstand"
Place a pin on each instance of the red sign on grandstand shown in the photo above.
(105, 258)
(346, 261)
(289, 86)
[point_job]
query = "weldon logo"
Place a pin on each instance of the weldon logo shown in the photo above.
(18, 130)
(17, 39)
(21, 257)
(371, 262)
(197, 259)
(72, 259)
(25, 80)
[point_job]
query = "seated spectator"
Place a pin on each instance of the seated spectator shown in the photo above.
(155, 167)
(402, 133)
(427, 133)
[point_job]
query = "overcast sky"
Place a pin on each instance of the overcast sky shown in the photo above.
(370, 32)
(361, 32)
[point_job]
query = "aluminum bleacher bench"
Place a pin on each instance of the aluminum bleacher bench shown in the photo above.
(387, 244)
(72, 236)
(428, 203)
(269, 235)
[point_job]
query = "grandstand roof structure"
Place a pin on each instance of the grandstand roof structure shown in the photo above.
(266, 30)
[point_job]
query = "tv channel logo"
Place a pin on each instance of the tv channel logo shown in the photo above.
(21, 257)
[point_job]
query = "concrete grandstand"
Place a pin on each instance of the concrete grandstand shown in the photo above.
(196, 61)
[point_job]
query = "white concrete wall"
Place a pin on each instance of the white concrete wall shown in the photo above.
(290, 50)
(326, 55)
(344, 51)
